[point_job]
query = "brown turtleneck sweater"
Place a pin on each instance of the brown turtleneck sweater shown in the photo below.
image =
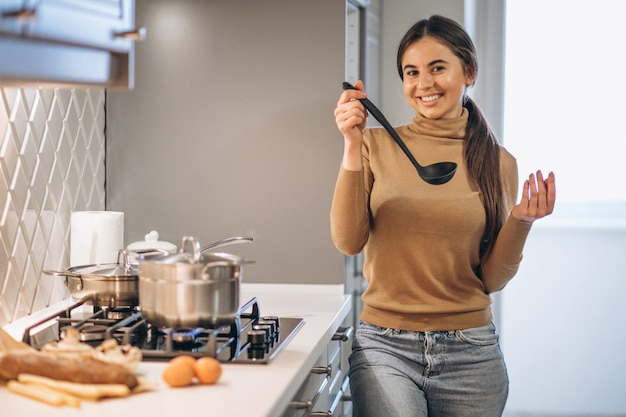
(421, 241)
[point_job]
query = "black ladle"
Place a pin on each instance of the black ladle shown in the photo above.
(435, 174)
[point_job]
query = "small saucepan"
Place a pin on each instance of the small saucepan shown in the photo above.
(190, 288)
(104, 285)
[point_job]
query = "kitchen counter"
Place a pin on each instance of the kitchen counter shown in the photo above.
(243, 390)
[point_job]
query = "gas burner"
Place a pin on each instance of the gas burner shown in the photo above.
(185, 336)
(92, 333)
(250, 338)
(119, 313)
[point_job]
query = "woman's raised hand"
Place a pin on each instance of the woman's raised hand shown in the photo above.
(350, 115)
(538, 198)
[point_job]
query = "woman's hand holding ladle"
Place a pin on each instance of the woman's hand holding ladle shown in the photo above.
(350, 117)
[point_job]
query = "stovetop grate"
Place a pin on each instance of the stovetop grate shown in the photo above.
(237, 342)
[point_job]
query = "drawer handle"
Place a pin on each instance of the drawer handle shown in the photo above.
(328, 370)
(23, 15)
(333, 407)
(137, 35)
(301, 405)
(339, 398)
(343, 333)
(308, 404)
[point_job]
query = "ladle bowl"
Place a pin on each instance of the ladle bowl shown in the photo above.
(435, 174)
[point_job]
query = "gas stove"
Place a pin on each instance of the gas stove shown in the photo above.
(251, 338)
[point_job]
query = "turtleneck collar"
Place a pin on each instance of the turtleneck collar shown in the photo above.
(442, 128)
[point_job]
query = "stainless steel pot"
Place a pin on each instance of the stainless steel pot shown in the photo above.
(191, 288)
(105, 285)
(117, 284)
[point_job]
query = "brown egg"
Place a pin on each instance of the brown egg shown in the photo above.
(179, 372)
(187, 359)
(208, 370)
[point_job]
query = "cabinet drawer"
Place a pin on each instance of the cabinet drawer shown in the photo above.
(322, 393)
(314, 392)
(342, 342)
(10, 20)
(68, 42)
(94, 24)
(338, 373)
(346, 400)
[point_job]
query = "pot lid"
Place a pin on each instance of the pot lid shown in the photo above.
(121, 268)
(152, 242)
(190, 253)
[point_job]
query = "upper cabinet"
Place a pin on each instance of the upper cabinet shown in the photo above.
(68, 42)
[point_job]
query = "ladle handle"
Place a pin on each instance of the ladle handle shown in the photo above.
(378, 115)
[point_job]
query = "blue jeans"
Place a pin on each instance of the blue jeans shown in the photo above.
(456, 373)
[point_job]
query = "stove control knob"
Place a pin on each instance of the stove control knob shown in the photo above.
(269, 337)
(275, 319)
(257, 340)
(270, 323)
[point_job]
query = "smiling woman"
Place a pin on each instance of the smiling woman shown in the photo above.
(433, 78)
(433, 254)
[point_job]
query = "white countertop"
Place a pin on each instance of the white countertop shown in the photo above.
(243, 390)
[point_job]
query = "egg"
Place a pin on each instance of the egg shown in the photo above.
(208, 370)
(179, 372)
(186, 359)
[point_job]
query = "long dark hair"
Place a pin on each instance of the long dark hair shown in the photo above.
(481, 150)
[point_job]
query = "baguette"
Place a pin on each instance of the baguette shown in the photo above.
(85, 370)
(43, 394)
(85, 391)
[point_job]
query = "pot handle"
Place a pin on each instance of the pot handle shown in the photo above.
(227, 241)
(61, 273)
(66, 275)
(195, 247)
(122, 257)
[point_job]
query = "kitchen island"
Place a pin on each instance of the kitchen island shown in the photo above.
(263, 390)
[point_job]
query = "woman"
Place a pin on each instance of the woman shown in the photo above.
(426, 345)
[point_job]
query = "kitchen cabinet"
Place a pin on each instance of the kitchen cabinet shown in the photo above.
(10, 23)
(101, 24)
(325, 392)
(68, 42)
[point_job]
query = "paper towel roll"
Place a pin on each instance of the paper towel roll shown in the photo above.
(95, 236)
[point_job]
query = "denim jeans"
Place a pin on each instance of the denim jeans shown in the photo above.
(456, 373)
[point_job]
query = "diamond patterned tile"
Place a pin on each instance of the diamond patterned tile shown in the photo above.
(9, 153)
(51, 163)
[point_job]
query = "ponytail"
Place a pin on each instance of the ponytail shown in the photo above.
(482, 157)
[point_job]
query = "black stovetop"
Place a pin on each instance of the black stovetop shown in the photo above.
(251, 338)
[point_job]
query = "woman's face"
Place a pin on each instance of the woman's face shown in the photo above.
(434, 79)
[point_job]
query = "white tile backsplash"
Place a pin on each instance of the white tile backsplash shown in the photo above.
(52, 147)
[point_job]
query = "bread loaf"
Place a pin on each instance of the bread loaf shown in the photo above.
(85, 370)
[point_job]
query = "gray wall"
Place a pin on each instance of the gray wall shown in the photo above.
(230, 131)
